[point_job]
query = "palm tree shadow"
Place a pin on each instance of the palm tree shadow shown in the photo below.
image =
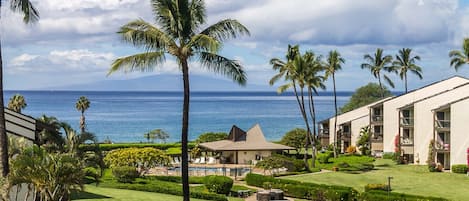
(82, 195)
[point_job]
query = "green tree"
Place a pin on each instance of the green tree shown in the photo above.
(211, 136)
(30, 15)
(377, 63)
(82, 105)
(364, 96)
(459, 58)
(141, 158)
(363, 142)
(17, 103)
(405, 62)
(177, 35)
(333, 64)
(156, 134)
(295, 138)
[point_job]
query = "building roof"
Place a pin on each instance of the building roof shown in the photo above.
(239, 140)
(365, 106)
(428, 97)
(449, 104)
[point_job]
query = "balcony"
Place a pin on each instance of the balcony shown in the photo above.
(442, 146)
(407, 141)
(443, 124)
(377, 137)
(407, 121)
(345, 135)
(377, 119)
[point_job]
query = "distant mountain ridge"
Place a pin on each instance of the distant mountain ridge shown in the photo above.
(165, 83)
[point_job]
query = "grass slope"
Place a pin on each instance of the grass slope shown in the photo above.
(410, 179)
(93, 193)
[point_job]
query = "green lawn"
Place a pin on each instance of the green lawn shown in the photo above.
(93, 193)
(409, 179)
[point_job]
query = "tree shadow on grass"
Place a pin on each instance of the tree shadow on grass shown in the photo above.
(82, 195)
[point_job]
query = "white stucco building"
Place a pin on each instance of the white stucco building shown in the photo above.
(438, 111)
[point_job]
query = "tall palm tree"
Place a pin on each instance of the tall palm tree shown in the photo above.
(405, 62)
(30, 15)
(82, 105)
(17, 103)
(177, 34)
(459, 58)
(376, 64)
(333, 64)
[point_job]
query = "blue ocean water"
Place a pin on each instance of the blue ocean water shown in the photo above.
(126, 116)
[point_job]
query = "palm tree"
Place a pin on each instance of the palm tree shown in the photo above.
(405, 62)
(334, 63)
(82, 105)
(17, 103)
(459, 58)
(376, 64)
(176, 34)
(49, 136)
(30, 15)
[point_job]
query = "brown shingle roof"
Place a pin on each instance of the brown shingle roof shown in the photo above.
(238, 140)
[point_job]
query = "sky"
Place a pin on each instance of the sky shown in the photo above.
(75, 42)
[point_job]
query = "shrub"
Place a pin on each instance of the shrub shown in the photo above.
(459, 168)
(218, 184)
(324, 157)
(91, 175)
(142, 158)
(388, 155)
(381, 187)
(381, 195)
(351, 150)
(178, 179)
(125, 174)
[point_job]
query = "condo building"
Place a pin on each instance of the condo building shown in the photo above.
(436, 113)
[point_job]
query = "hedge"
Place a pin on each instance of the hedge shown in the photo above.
(459, 168)
(109, 147)
(383, 196)
(302, 190)
(125, 174)
(218, 184)
(178, 179)
(374, 187)
(166, 188)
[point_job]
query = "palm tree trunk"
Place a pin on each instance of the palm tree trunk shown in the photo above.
(335, 118)
(184, 132)
(381, 86)
(405, 81)
(303, 114)
(3, 133)
(82, 122)
(308, 133)
(313, 117)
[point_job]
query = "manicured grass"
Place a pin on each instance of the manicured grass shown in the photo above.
(410, 179)
(93, 193)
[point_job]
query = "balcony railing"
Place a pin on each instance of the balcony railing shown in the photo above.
(443, 123)
(377, 136)
(407, 141)
(324, 131)
(440, 145)
(377, 118)
(345, 135)
(407, 121)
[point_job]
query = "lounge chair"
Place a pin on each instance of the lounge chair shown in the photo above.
(176, 160)
(197, 161)
(211, 160)
(202, 160)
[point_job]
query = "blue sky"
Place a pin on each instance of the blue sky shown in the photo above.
(75, 41)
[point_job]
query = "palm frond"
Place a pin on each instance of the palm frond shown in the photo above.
(204, 43)
(284, 87)
(143, 34)
(139, 62)
(167, 15)
(29, 12)
(226, 29)
(219, 64)
(197, 13)
(275, 78)
(389, 81)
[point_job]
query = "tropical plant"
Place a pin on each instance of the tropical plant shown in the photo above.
(365, 95)
(17, 103)
(363, 142)
(295, 138)
(49, 136)
(177, 35)
(404, 63)
(51, 176)
(140, 158)
(333, 64)
(82, 105)
(377, 63)
(30, 15)
(459, 58)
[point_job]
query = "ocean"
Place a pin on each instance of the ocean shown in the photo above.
(126, 116)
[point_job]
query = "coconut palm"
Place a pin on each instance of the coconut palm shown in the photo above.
(333, 64)
(17, 103)
(177, 34)
(49, 136)
(30, 15)
(459, 58)
(376, 64)
(405, 62)
(82, 105)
